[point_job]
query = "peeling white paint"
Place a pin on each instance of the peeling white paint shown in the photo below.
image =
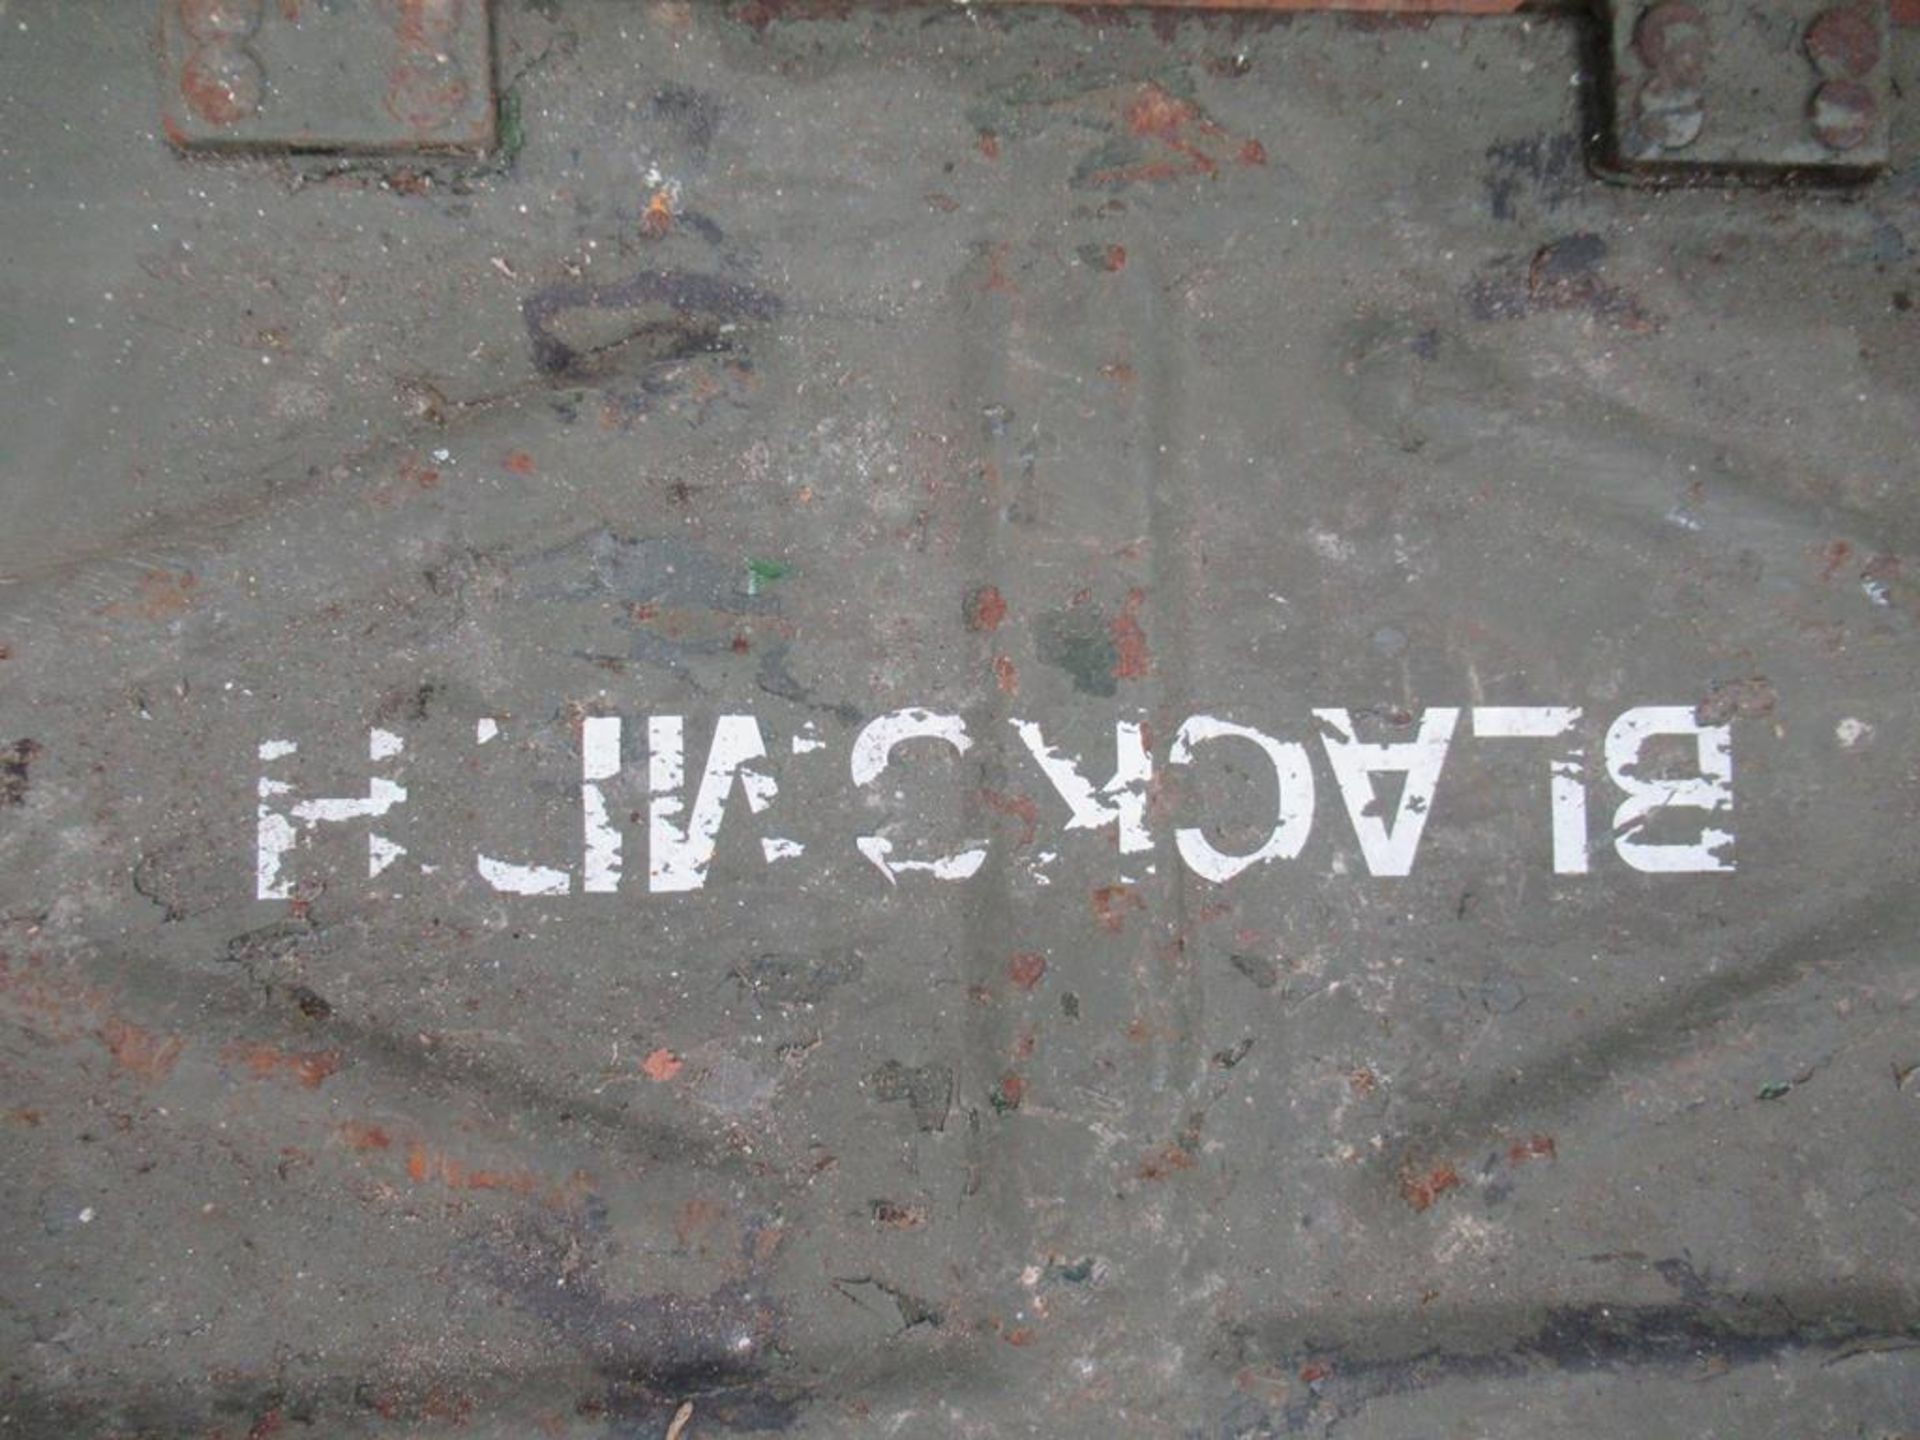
(1388, 847)
(1122, 801)
(1567, 769)
(678, 855)
(1711, 790)
(1294, 818)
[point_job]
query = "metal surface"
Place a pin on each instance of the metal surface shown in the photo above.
(810, 365)
(1700, 85)
(317, 75)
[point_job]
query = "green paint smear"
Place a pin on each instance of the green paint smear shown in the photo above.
(765, 572)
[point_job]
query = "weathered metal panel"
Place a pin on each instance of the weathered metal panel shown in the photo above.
(809, 365)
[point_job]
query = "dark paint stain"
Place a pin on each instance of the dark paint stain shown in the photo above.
(927, 1089)
(671, 313)
(14, 779)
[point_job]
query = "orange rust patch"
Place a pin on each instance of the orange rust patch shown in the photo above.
(1110, 905)
(998, 281)
(1006, 675)
(142, 1053)
(1534, 1147)
(1169, 1159)
(356, 1135)
(1022, 807)
(264, 1062)
(662, 1065)
(519, 462)
(1421, 1188)
(163, 595)
(986, 608)
(1026, 968)
(1131, 661)
(658, 219)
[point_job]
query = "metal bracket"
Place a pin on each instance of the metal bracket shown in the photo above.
(1788, 86)
(342, 76)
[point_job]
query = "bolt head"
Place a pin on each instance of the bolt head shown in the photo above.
(1673, 41)
(1843, 42)
(1843, 113)
(1668, 115)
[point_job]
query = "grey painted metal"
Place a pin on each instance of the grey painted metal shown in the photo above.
(809, 362)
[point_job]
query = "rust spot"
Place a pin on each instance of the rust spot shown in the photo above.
(1021, 807)
(145, 1054)
(356, 1135)
(1116, 258)
(989, 144)
(1169, 1159)
(658, 219)
(162, 595)
(1253, 153)
(1534, 1147)
(1026, 968)
(1363, 1081)
(415, 471)
(1110, 905)
(1420, 1188)
(1006, 675)
(662, 1065)
(1131, 661)
(1020, 1335)
(1008, 1093)
(519, 462)
(1314, 1373)
(264, 1062)
(998, 281)
(985, 609)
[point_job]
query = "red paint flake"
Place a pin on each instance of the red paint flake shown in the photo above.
(1154, 112)
(1022, 1335)
(263, 1062)
(741, 644)
(1131, 661)
(1836, 554)
(142, 1053)
(1253, 153)
(1169, 1159)
(1534, 1147)
(1116, 258)
(417, 472)
(1011, 1090)
(662, 1065)
(1026, 968)
(1314, 1373)
(986, 608)
(989, 144)
(998, 281)
(519, 462)
(1110, 905)
(1006, 675)
(1022, 807)
(267, 1425)
(358, 1136)
(1420, 1190)
(658, 219)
